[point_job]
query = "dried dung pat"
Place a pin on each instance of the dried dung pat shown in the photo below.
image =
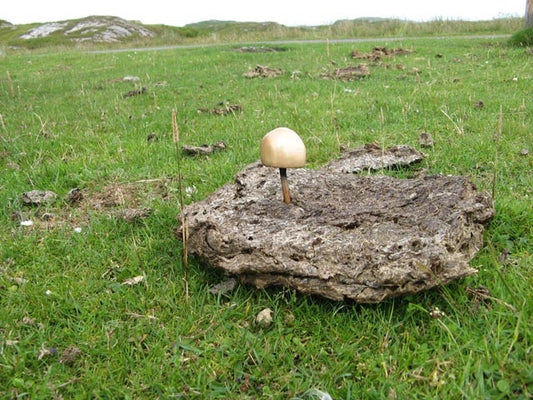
(349, 73)
(426, 140)
(261, 71)
(38, 197)
(223, 109)
(373, 157)
(224, 287)
(46, 352)
(264, 318)
(204, 149)
(134, 281)
(378, 53)
(133, 214)
(70, 355)
(343, 236)
(74, 196)
(136, 92)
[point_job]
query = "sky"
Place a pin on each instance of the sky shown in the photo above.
(287, 12)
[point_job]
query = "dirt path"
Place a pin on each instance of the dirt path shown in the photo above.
(348, 40)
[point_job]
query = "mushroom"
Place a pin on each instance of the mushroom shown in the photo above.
(282, 148)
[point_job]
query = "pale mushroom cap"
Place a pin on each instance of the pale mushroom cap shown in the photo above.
(282, 148)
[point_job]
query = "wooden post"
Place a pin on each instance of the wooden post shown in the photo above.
(529, 13)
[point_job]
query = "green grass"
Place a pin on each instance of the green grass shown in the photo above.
(523, 38)
(66, 124)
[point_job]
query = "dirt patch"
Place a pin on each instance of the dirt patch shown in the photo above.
(127, 196)
(126, 201)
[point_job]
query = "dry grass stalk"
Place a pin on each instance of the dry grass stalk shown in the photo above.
(11, 87)
(497, 140)
(460, 131)
(334, 122)
(3, 123)
(184, 225)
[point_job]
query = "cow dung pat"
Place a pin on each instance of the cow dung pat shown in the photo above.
(365, 238)
(38, 197)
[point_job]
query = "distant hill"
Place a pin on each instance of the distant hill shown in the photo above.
(93, 28)
(5, 24)
(113, 31)
(105, 30)
(110, 31)
(216, 25)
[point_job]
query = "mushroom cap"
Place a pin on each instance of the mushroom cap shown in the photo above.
(282, 148)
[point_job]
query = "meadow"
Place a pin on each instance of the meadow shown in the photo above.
(94, 305)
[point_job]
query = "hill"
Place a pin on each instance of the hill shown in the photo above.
(111, 31)
(93, 28)
(99, 30)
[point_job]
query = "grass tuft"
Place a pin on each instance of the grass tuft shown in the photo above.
(523, 38)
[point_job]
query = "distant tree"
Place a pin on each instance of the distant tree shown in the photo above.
(529, 13)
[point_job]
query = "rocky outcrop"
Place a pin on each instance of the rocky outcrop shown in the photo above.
(94, 28)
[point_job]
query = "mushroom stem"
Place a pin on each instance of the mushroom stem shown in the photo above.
(285, 185)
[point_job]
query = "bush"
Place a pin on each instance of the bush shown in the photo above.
(523, 38)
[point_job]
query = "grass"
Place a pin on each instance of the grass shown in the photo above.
(66, 124)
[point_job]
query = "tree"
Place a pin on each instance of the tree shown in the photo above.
(529, 13)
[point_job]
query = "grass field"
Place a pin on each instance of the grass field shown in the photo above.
(74, 323)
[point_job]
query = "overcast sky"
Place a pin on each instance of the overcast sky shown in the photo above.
(287, 12)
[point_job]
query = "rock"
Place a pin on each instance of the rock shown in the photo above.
(38, 197)
(344, 236)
